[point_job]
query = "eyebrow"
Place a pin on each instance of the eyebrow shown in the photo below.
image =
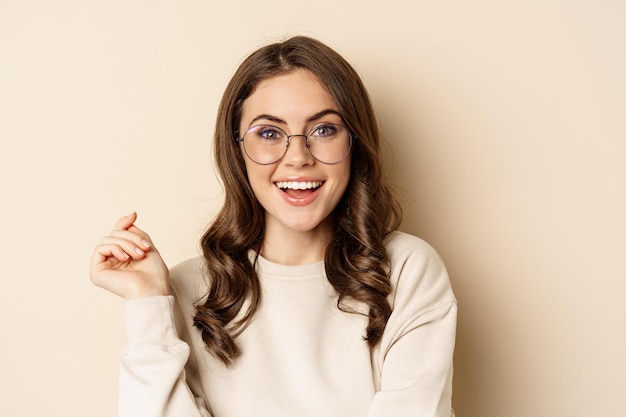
(313, 118)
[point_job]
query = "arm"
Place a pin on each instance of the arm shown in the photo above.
(417, 371)
(152, 376)
(416, 351)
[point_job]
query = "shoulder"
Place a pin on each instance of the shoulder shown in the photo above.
(418, 274)
(402, 247)
(188, 278)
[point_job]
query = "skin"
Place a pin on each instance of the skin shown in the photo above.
(297, 231)
(127, 264)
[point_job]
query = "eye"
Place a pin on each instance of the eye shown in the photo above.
(324, 131)
(269, 133)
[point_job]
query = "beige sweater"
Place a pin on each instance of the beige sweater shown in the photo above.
(301, 355)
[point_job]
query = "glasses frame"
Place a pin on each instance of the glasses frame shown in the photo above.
(351, 138)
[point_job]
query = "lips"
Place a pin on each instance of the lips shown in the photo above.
(299, 193)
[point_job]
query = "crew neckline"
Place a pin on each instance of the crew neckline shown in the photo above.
(268, 268)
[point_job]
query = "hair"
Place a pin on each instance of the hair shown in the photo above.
(356, 262)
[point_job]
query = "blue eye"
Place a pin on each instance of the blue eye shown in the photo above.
(269, 133)
(324, 131)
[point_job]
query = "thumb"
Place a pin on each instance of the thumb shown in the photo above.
(125, 222)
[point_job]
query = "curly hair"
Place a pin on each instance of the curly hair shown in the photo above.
(355, 260)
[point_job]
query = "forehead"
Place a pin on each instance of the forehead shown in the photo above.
(292, 97)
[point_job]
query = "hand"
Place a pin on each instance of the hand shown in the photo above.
(127, 263)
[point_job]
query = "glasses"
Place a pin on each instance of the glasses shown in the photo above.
(267, 144)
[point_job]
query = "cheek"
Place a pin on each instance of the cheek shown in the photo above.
(343, 173)
(258, 177)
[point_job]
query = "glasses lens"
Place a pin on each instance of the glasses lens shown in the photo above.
(265, 144)
(329, 143)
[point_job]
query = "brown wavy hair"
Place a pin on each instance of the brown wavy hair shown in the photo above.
(355, 260)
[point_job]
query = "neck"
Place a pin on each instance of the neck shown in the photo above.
(295, 247)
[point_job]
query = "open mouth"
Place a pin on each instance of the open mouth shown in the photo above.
(299, 189)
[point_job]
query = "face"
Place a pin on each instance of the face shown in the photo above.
(298, 192)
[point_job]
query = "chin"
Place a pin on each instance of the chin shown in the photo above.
(306, 225)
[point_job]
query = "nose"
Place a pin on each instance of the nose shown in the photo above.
(297, 152)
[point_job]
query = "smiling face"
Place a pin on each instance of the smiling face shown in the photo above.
(298, 192)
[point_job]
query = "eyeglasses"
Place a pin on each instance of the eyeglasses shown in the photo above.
(267, 144)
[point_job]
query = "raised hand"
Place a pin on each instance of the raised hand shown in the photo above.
(127, 263)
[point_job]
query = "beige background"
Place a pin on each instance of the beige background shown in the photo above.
(507, 137)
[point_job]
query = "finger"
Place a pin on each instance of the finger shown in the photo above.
(103, 253)
(133, 228)
(139, 238)
(125, 222)
(128, 246)
(146, 238)
(106, 258)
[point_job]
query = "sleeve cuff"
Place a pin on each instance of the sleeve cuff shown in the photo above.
(149, 321)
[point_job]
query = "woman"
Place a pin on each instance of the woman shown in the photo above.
(307, 300)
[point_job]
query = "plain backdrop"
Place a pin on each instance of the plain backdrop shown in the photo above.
(505, 138)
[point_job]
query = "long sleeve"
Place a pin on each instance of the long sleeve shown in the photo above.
(415, 355)
(301, 354)
(152, 374)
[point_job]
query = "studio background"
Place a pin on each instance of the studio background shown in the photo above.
(506, 143)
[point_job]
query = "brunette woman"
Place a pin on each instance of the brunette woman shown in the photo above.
(307, 301)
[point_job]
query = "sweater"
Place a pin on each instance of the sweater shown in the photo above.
(301, 355)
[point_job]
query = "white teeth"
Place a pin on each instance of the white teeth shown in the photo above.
(298, 185)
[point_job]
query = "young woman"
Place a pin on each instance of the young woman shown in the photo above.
(307, 301)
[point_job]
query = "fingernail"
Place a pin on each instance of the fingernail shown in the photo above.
(145, 243)
(139, 251)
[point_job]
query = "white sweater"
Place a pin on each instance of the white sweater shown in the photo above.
(301, 355)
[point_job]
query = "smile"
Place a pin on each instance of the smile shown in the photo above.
(299, 185)
(299, 193)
